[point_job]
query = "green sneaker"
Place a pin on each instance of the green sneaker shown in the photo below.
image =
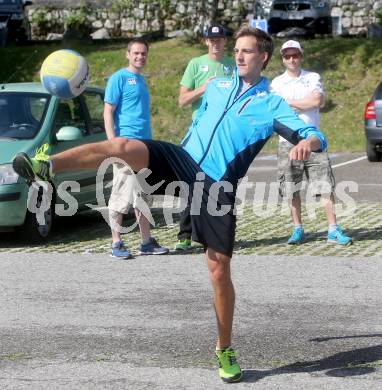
(32, 169)
(183, 245)
(229, 369)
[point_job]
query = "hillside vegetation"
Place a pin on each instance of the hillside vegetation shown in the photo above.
(350, 68)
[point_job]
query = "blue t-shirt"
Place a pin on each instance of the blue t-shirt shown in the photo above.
(128, 92)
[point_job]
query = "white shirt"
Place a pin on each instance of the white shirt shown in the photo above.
(243, 87)
(297, 88)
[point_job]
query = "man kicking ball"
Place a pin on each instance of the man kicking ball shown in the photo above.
(236, 118)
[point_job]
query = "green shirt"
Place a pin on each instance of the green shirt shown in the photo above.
(199, 69)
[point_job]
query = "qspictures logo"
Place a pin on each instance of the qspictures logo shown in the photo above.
(263, 197)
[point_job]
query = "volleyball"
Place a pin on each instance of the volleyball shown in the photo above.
(64, 73)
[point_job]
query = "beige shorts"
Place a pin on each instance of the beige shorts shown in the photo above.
(126, 190)
(317, 169)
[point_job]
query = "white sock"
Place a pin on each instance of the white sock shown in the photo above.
(222, 349)
(332, 227)
(50, 168)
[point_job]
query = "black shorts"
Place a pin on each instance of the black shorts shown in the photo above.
(212, 208)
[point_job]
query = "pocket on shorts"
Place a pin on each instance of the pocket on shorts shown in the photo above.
(281, 180)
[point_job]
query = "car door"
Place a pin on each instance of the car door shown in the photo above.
(74, 113)
(93, 102)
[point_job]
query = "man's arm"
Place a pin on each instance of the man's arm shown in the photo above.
(303, 149)
(287, 124)
(314, 100)
(188, 96)
(108, 117)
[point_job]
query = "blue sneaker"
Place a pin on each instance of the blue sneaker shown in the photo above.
(338, 237)
(119, 250)
(297, 237)
(152, 248)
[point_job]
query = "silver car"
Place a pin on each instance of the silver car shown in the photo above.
(314, 16)
(373, 126)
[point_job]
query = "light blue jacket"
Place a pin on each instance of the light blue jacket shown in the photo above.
(229, 131)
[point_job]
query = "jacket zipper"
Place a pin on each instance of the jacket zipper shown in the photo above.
(227, 107)
(244, 105)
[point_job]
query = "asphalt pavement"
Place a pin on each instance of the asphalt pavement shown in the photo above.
(77, 321)
(73, 318)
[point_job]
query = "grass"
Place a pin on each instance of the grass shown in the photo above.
(350, 68)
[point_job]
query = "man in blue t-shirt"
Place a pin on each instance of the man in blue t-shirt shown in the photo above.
(127, 114)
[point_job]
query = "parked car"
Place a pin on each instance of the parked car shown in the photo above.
(14, 23)
(312, 15)
(29, 118)
(373, 125)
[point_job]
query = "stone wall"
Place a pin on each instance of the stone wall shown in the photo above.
(355, 16)
(170, 17)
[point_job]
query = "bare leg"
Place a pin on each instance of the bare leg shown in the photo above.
(224, 294)
(115, 218)
(296, 210)
(144, 225)
(88, 156)
(329, 208)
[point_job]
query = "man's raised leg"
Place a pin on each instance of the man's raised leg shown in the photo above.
(87, 156)
(133, 151)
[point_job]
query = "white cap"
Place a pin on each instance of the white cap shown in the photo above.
(291, 45)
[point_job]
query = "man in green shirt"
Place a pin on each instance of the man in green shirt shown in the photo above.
(199, 71)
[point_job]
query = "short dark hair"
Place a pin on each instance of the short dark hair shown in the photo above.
(137, 40)
(264, 42)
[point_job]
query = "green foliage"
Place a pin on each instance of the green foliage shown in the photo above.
(76, 20)
(378, 15)
(40, 17)
(164, 4)
(121, 5)
(126, 5)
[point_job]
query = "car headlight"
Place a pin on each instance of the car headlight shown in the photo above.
(7, 174)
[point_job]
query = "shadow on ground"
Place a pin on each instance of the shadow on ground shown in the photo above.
(343, 364)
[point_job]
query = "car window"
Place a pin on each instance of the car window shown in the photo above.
(378, 92)
(70, 113)
(94, 102)
(22, 114)
(37, 108)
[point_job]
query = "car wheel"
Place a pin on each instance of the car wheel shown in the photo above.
(372, 154)
(31, 230)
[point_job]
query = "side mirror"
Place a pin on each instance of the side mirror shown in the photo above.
(69, 133)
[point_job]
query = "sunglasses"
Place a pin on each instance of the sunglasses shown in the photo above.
(295, 56)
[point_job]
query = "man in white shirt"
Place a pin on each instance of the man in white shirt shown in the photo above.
(303, 91)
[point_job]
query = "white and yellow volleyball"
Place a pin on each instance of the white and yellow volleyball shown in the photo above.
(64, 73)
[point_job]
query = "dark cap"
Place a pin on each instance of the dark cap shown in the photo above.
(215, 31)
